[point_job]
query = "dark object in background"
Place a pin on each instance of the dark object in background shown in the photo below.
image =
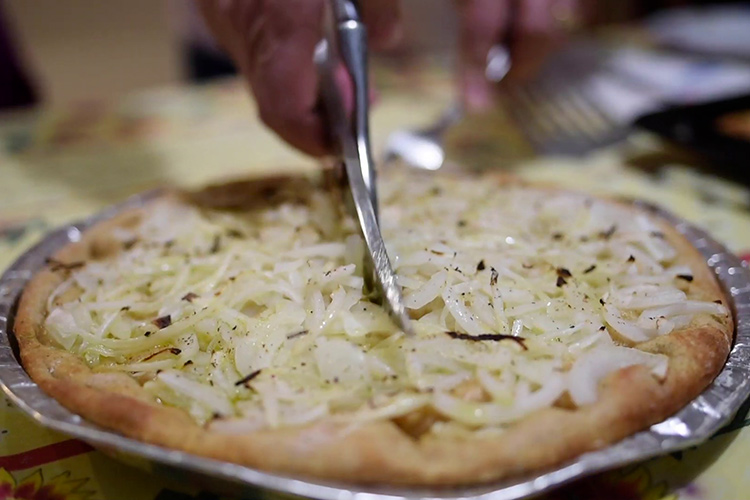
(718, 131)
(15, 87)
(204, 64)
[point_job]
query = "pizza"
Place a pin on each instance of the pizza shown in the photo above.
(232, 323)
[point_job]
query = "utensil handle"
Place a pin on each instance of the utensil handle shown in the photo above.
(351, 36)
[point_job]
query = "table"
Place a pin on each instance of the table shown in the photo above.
(57, 165)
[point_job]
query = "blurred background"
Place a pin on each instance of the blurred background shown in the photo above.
(99, 100)
(72, 50)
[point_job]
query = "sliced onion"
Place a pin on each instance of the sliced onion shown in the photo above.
(428, 292)
(340, 360)
(627, 329)
(595, 365)
(197, 391)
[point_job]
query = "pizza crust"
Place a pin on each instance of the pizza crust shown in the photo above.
(380, 452)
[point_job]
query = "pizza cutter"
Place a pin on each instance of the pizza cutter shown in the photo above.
(346, 44)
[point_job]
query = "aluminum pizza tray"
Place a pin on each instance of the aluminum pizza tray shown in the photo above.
(695, 423)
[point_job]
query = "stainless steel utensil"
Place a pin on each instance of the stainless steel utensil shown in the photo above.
(349, 40)
(423, 148)
(554, 112)
(557, 117)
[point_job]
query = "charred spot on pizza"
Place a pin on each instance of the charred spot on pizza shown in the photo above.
(482, 337)
(162, 321)
(175, 351)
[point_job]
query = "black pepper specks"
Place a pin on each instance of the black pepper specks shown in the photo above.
(296, 334)
(562, 276)
(244, 380)
(216, 245)
(605, 235)
(561, 271)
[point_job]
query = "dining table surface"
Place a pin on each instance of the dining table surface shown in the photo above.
(62, 164)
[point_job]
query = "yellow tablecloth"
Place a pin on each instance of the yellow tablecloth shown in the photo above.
(59, 165)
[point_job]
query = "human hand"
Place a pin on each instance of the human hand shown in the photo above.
(273, 41)
(530, 29)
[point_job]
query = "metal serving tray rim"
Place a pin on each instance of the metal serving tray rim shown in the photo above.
(692, 425)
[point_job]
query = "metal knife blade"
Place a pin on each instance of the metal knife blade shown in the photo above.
(354, 144)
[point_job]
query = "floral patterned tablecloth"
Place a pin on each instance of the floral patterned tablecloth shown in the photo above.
(59, 165)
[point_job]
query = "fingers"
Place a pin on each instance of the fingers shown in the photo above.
(383, 19)
(283, 76)
(532, 30)
(481, 24)
(538, 31)
(273, 41)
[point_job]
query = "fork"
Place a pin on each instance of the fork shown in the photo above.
(557, 117)
(554, 113)
(424, 148)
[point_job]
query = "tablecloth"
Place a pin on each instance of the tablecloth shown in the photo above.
(57, 165)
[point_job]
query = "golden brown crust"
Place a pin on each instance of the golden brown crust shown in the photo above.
(381, 452)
